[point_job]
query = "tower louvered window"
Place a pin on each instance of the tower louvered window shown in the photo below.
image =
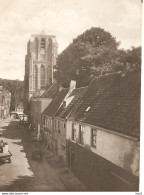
(42, 72)
(42, 43)
(36, 76)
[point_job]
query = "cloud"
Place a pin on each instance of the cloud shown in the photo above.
(64, 18)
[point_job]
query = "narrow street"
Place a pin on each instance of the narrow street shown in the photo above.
(26, 174)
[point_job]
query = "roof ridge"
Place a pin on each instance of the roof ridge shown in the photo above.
(82, 87)
(105, 75)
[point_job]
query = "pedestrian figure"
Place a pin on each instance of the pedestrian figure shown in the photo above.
(1, 146)
(30, 127)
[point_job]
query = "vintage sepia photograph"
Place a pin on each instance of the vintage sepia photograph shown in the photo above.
(70, 96)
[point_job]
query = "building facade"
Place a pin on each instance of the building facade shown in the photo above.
(55, 119)
(60, 119)
(103, 134)
(5, 102)
(48, 117)
(39, 102)
(101, 158)
(39, 62)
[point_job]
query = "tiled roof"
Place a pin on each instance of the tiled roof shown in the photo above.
(37, 94)
(111, 102)
(51, 92)
(74, 96)
(56, 102)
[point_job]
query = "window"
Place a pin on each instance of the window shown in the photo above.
(36, 76)
(94, 135)
(48, 124)
(81, 134)
(51, 123)
(42, 43)
(58, 126)
(36, 48)
(64, 125)
(74, 132)
(55, 123)
(63, 146)
(44, 121)
(42, 56)
(42, 74)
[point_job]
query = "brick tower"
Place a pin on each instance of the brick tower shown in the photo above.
(39, 62)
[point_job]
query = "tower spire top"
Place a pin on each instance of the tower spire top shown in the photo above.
(43, 32)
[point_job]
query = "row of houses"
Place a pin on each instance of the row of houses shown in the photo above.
(94, 130)
(5, 102)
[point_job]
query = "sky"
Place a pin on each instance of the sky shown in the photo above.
(66, 19)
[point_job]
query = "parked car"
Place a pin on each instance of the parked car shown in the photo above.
(16, 115)
(24, 117)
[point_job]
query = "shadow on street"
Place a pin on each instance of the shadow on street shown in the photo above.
(27, 174)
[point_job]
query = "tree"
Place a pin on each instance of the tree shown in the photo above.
(90, 54)
(16, 89)
(128, 59)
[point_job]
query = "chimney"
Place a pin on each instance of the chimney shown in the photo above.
(72, 85)
(60, 88)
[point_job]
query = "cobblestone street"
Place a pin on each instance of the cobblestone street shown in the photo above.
(26, 174)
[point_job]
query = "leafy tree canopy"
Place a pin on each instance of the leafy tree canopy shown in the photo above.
(88, 52)
(16, 89)
(128, 59)
(92, 53)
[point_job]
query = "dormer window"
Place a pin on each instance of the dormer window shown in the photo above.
(67, 101)
(88, 108)
(64, 104)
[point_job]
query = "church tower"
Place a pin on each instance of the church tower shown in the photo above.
(39, 62)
